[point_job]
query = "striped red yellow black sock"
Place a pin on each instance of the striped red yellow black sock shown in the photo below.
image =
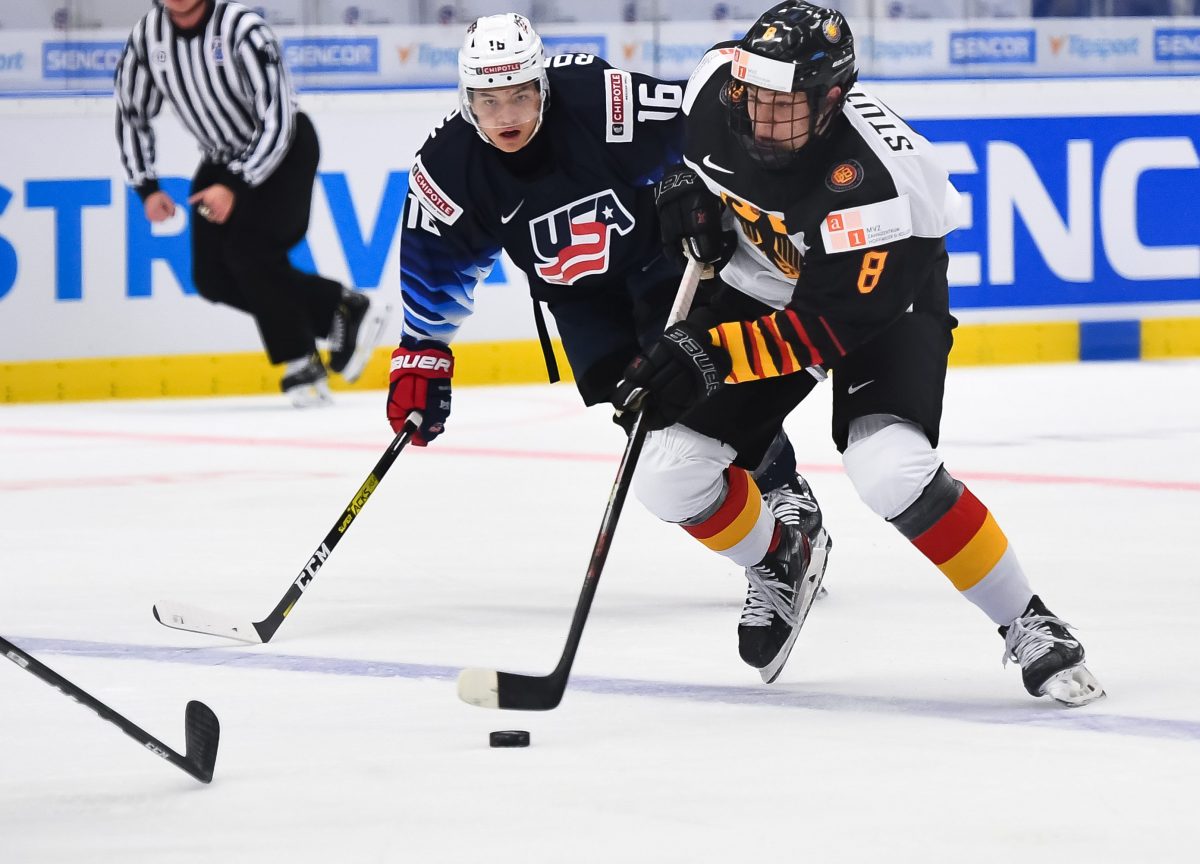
(740, 527)
(955, 531)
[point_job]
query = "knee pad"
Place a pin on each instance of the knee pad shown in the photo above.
(890, 466)
(680, 473)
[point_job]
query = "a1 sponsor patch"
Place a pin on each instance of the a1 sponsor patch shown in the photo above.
(863, 227)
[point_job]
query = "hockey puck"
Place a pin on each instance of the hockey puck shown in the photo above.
(509, 738)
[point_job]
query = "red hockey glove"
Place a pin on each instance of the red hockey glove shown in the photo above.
(421, 373)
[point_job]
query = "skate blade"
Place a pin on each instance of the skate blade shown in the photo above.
(812, 589)
(1073, 687)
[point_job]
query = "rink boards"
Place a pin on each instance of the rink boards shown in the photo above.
(1080, 237)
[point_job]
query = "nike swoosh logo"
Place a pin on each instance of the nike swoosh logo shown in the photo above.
(854, 388)
(504, 220)
(708, 163)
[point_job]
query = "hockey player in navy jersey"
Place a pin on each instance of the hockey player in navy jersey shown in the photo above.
(555, 163)
(839, 212)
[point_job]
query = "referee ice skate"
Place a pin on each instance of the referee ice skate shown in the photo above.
(218, 65)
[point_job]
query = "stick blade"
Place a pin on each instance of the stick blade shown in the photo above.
(487, 688)
(479, 687)
(196, 620)
(202, 732)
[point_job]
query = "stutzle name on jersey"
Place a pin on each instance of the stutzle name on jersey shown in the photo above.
(867, 226)
(428, 192)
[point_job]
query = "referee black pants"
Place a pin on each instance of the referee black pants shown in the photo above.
(244, 262)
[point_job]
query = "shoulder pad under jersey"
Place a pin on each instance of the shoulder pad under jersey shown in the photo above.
(437, 178)
(595, 94)
(717, 57)
(578, 83)
(910, 160)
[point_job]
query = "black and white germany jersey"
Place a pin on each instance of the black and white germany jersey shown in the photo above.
(842, 241)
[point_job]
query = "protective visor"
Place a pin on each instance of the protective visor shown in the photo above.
(500, 108)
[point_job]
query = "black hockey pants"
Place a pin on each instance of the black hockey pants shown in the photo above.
(244, 262)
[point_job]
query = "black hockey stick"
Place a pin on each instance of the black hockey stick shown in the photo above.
(201, 730)
(489, 688)
(202, 621)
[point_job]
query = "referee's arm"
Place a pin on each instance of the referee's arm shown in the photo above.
(258, 55)
(138, 102)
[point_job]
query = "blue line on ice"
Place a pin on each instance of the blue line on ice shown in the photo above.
(1030, 714)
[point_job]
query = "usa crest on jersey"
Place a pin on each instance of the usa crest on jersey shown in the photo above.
(575, 241)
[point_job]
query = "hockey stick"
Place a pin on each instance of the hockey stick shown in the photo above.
(489, 688)
(197, 620)
(201, 730)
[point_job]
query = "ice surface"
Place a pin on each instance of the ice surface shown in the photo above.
(892, 735)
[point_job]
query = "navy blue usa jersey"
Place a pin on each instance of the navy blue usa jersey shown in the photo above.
(574, 208)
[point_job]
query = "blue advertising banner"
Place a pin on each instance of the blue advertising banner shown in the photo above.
(80, 59)
(1076, 210)
(332, 55)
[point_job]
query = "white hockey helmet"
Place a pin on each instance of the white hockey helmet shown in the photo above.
(500, 51)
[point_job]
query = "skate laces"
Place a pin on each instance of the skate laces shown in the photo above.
(292, 367)
(337, 332)
(304, 369)
(794, 504)
(766, 596)
(1029, 638)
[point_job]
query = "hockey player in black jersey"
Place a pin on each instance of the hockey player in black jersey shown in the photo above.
(838, 210)
(555, 163)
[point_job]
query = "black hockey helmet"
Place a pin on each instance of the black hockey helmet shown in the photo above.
(793, 47)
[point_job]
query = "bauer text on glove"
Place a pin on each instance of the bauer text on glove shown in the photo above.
(677, 371)
(420, 381)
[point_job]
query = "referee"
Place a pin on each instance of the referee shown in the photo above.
(218, 65)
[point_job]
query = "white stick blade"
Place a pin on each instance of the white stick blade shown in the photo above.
(479, 687)
(202, 621)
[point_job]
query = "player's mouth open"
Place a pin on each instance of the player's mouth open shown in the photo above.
(510, 134)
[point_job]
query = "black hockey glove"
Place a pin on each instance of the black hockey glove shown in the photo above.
(690, 214)
(680, 369)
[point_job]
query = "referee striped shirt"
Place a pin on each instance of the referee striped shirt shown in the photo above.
(225, 81)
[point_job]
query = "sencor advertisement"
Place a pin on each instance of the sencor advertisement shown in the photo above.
(374, 57)
(332, 55)
(1090, 212)
(80, 59)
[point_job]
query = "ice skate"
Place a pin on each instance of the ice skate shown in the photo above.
(795, 504)
(357, 325)
(1051, 659)
(782, 589)
(306, 383)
